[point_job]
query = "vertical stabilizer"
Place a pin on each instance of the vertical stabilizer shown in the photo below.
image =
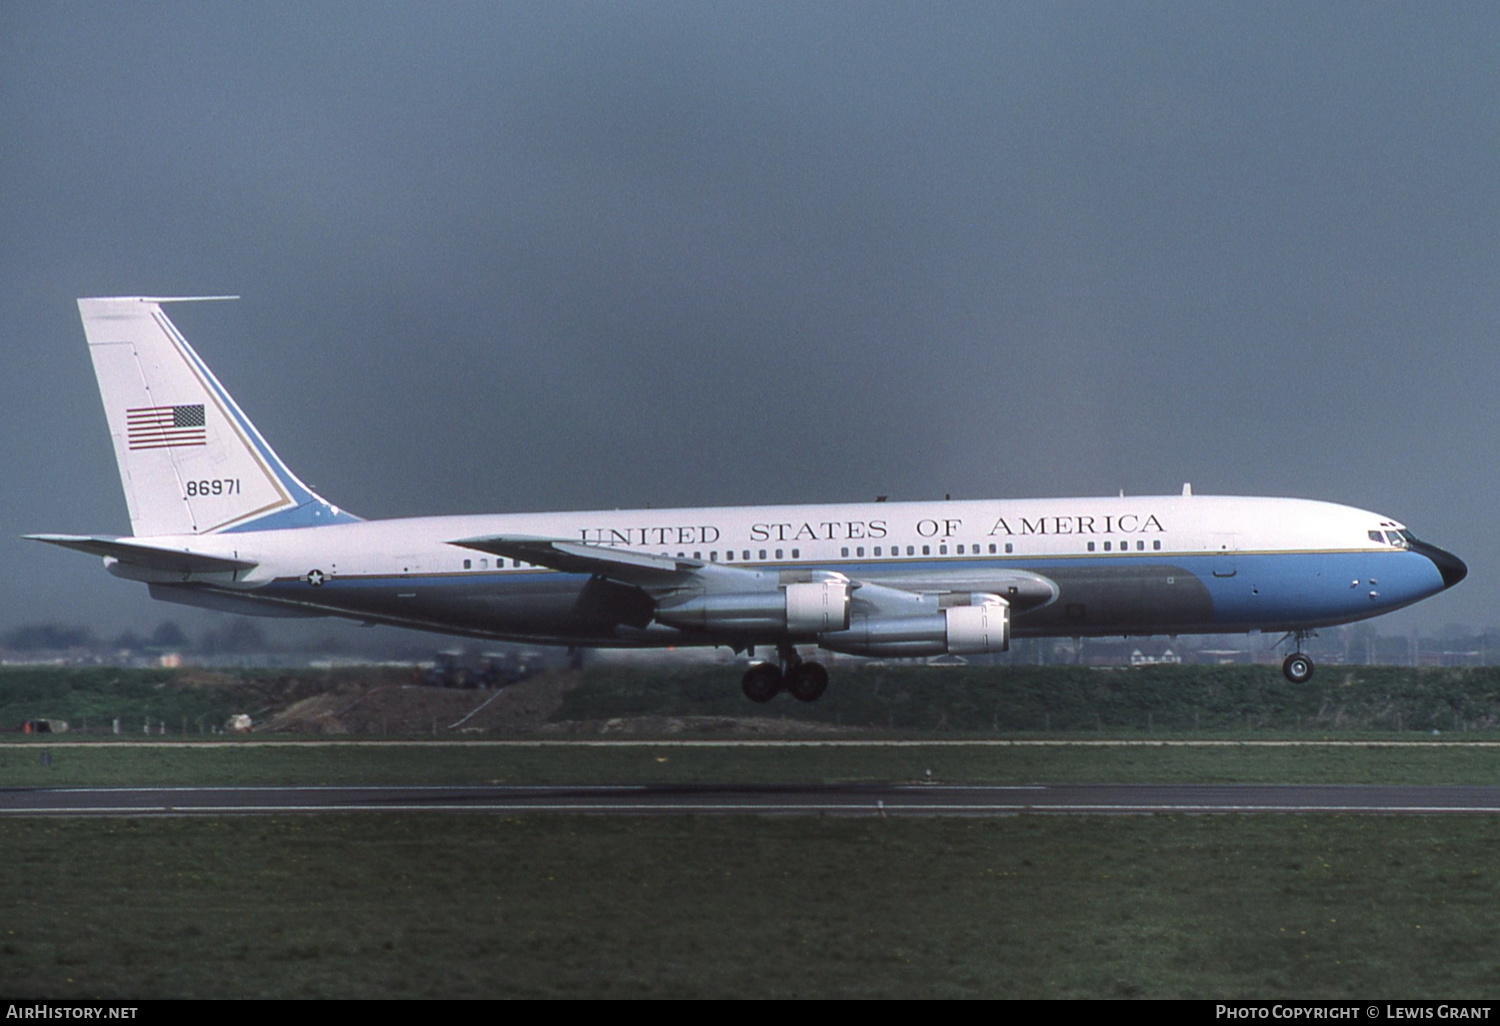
(190, 460)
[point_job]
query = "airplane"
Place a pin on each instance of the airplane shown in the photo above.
(219, 521)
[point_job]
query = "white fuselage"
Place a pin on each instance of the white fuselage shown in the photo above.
(1194, 563)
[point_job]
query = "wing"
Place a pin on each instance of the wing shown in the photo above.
(639, 568)
(693, 595)
(735, 601)
(1023, 589)
(660, 575)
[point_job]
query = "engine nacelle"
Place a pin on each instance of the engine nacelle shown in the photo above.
(979, 628)
(957, 630)
(807, 608)
(817, 606)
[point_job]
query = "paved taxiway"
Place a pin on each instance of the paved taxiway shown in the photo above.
(707, 799)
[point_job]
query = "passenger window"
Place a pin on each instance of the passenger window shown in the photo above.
(926, 550)
(762, 553)
(942, 550)
(1140, 545)
(1156, 544)
(1008, 547)
(1091, 546)
(778, 553)
(844, 551)
(796, 553)
(1106, 547)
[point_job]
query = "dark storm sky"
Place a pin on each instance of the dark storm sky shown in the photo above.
(505, 257)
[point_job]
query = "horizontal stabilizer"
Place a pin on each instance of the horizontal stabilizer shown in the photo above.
(580, 558)
(152, 557)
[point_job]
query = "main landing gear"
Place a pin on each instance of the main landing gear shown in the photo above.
(805, 681)
(1298, 667)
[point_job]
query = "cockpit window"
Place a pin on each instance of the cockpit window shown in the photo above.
(1396, 538)
(1375, 536)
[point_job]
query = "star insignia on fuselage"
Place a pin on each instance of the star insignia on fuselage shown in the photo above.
(315, 578)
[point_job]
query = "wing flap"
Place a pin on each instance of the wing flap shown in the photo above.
(152, 557)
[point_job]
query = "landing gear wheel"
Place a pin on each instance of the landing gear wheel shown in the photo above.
(1298, 668)
(807, 681)
(761, 682)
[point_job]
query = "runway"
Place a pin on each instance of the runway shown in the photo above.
(709, 799)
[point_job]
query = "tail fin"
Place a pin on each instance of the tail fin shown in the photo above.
(190, 460)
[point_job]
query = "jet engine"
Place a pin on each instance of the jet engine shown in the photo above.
(807, 608)
(982, 625)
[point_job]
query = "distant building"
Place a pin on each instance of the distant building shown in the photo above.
(1166, 657)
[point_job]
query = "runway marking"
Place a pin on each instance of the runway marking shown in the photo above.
(905, 800)
(757, 743)
(748, 809)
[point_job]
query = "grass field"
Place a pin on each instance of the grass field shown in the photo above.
(104, 763)
(472, 906)
(379, 905)
(1031, 700)
(1243, 701)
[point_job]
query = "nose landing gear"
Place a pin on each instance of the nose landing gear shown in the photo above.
(1298, 667)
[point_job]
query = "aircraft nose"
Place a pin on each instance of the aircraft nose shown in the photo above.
(1450, 566)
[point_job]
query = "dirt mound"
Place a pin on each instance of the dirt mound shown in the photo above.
(310, 715)
(404, 709)
(417, 709)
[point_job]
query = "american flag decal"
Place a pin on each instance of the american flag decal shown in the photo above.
(165, 427)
